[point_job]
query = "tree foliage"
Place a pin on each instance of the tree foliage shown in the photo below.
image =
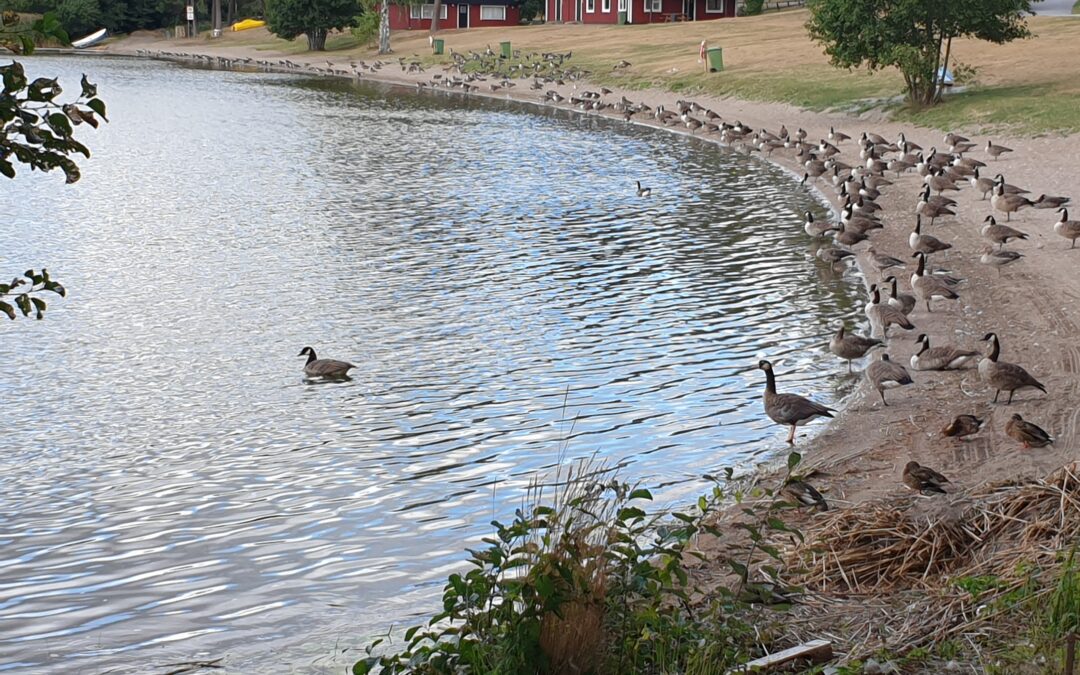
(289, 19)
(80, 17)
(36, 129)
(912, 35)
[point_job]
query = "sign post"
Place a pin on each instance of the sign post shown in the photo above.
(192, 28)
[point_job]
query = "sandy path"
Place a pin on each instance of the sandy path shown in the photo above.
(1033, 305)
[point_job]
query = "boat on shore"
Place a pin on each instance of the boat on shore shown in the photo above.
(90, 40)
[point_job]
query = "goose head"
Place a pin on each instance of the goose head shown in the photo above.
(990, 219)
(1064, 213)
(764, 365)
(307, 351)
(989, 337)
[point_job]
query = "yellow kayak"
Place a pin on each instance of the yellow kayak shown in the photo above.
(248, 23)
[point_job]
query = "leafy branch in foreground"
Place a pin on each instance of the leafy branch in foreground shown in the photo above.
(24, 293)
(591, 582)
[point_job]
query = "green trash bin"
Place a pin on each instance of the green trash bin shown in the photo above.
(622, 18)
(437, 46)
(506, 51)
(716, 59)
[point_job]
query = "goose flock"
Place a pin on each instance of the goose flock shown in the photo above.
(860, 169)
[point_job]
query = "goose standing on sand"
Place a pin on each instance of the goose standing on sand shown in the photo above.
(789, 409)
(316, 367)
(1008, 204)
(882, 261)
(885, 374)
(925, 243)
(941, 358)
(643, 191)
(962, 426)
(1048, 202)
(882, 315)
(905, 302)
(996, 151)
(923, 479)
(998, 259)
(983, 185)
(1031, 435)
(847, 236)
(1070, 229)
(999, 234)
(1003, 376)
(851, 346)
(927, 287)
(802, 493)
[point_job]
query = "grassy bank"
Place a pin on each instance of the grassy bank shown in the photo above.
(1028, 87)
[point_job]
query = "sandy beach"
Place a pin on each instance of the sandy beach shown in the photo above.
(1032, 304)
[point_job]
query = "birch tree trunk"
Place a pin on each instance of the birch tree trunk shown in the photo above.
(384, 27)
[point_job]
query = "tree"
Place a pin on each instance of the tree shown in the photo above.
(910, 34)
(435, 16)
(37, 130)
(314, 18)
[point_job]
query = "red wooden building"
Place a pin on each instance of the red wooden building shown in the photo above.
(636, 11)
(457, 14)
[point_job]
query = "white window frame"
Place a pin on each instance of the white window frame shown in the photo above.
(500, 8)
(654, 6)
(590, 6)
(622, 5)
(720, 4)
(426, 11)
(605, 6)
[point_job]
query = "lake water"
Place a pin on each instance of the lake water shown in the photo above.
(171, 487)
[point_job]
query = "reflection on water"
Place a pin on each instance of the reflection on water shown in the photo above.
(173, 488)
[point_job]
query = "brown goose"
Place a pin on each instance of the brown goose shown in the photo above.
(882, 314)
(905, 302)
(925, 243)
(316, 367)
(850, 346)
(1048, 202)
(999, 259)
(885, 374)
(1008, 204)
(932, 210)
(963, 425)
(1004, 376)
(923, 479)
(882, 261)
(834, 255)
(789, 409)
(940, 358)
(1000, 234)
(996, 151)
(815, 228)
(1070, 229)
(939, 182)
(1031, 435)
(927, 287)
(848, 237)
(983, 185)
(803, 494)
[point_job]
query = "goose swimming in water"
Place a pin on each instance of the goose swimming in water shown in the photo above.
(643, 191)
(316, 367)
(789, 409)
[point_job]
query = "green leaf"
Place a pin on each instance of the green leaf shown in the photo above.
(97, 105)
(7, 309)
(793, 460)
(23, 302)
(39, 305)
(640, 493)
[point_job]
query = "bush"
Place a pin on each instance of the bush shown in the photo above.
(751, 7)
(366, 29)
(592, 583)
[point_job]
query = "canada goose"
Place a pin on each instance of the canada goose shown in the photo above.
(837, 136)
(983, 185)
(953, 138)
(803, 494)
(316, 367)
(643, 191)
(848, 237)
(874, 138)
(882, 261)
(999, 258)
(833, 255)
(1070, 229)
(1003, 376)
(1031, 435)
(789, 409)
(905, 302)
(927, 287)
(923, 479)
(1009, 188)
(860, 224)
(941, 358)
(885, 374)
(939, 182)
(816, 229)
(1008, 203)
(996, 151)
(884, 315)
(1000, 234)
(925, 243)
(962, 425)
(867, 191)
(1047, 202)
(931, 210)
(850, 346)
